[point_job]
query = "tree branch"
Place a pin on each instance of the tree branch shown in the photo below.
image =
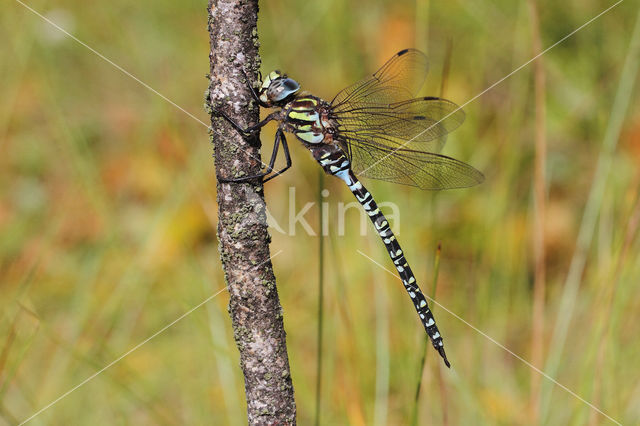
(254, 306)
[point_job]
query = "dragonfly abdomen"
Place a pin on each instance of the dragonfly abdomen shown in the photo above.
(334, 162)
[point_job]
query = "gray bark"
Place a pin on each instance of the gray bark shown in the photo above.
(254, 307)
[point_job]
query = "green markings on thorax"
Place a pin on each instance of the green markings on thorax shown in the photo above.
(310, 116)
(304, 117)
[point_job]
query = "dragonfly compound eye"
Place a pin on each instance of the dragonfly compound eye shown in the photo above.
(282, 88)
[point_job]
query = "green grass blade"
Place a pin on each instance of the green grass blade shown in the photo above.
(621, 102)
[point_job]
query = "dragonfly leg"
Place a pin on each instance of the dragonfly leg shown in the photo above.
(287, 155)
(272, 161)
(253, 89)
(248, 131)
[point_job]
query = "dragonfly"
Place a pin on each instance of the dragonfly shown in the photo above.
(376, 128)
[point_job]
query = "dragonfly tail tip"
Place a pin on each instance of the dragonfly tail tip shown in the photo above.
(444, 357)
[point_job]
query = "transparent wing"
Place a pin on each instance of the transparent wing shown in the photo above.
(416, 124)
(390, 135)
(425, 170)
(397, 80)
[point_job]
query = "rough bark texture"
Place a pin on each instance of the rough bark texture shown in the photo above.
(254, 306)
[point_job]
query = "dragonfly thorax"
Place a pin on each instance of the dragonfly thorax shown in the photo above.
(308, 118)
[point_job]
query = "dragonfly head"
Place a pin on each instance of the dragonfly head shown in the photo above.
(276, 88)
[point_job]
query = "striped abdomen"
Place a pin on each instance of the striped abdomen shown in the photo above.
(333, 160)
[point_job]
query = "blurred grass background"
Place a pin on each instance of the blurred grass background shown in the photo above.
(107, 219)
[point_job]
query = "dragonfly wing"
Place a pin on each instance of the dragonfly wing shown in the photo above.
(416, 124)
(398, 79)
(390, 135)
(426, 170)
